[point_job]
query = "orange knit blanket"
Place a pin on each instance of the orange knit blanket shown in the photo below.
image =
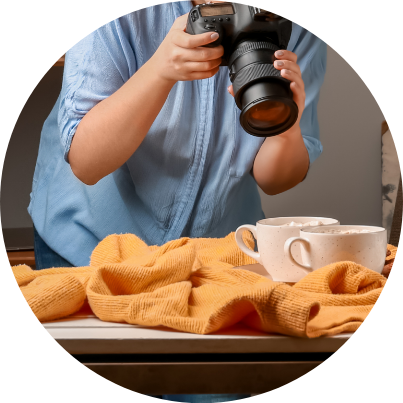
(190, 285)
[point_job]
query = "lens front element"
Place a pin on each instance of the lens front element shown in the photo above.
(266, 114)
(268, 108)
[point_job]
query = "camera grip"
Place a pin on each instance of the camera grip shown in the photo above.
(200, 27)
(220, 31)
(189, 28)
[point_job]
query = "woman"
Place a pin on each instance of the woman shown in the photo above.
(145, 139)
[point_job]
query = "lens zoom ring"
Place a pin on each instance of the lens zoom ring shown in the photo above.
(252, 72)
(247, 47)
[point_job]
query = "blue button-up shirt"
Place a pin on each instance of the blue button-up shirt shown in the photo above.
(191, 174)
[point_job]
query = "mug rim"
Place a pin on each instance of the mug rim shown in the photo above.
(336, 222)
(377, 230)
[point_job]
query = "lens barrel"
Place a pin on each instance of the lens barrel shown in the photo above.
(264, 97)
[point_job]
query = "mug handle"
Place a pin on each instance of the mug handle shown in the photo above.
(287, 251)
(238, 238)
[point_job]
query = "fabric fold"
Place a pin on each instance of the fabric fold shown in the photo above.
(190, 285)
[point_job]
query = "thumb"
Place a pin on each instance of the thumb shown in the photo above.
(189, 41)
(185, 40)
(180, 22)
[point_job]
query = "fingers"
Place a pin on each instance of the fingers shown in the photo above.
(202, 54)
(286, 55)
(203, 66)
(200, 75)
(294, 77)
(185, 40)
(188, 41)
(290, 69)
(287, 64)
(230, 89)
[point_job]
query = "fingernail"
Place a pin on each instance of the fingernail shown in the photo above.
(279, 64)
(215, 35)
(287, 71)
(279, 53)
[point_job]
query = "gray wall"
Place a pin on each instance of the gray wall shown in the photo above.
(22, 151)
(344, 183)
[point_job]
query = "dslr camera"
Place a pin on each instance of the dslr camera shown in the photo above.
(250, 36)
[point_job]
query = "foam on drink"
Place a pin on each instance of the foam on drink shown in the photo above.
(303, 224)
(342, 232)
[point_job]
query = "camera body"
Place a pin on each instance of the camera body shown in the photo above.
(250, 36)
(236, 23)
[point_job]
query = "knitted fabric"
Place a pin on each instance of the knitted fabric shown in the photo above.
(190, 285)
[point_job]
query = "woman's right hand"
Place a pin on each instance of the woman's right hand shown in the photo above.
(181, 57)
(111, 132)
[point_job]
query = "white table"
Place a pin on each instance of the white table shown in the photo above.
(163, 361)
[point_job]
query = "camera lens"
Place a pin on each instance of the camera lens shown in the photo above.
(267, 107)
(267, 114)
(264, 97)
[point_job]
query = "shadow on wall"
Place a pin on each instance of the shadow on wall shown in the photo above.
(391, 188)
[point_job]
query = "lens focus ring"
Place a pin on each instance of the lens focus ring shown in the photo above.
(248, 47)
(252, 72)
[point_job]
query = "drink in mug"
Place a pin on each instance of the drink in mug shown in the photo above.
(361, 244)
(271, 234)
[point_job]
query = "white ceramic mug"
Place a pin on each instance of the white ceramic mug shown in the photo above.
(271, 234)
(318, 249)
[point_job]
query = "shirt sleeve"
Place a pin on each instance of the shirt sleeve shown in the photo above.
(94, 69)
(311, 52)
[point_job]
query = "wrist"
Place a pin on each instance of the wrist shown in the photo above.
(292, 133)
(156, 70)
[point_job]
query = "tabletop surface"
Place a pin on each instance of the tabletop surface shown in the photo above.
(84, 333)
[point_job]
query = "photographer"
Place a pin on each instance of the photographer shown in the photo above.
(145, 118)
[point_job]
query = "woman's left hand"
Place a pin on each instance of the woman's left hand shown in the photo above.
(287, 64)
